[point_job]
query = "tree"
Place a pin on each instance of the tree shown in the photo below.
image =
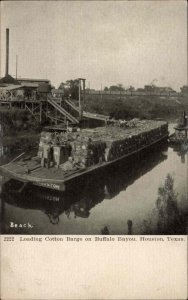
(117, 88)
(61, 86)
(121, 88)
(131, 88)
(70, 88)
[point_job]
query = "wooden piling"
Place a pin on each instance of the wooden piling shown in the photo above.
(40, 112)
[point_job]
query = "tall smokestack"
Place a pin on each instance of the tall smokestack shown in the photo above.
(7, 51)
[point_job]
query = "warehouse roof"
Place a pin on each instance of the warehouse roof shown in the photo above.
(33, 79)
(8, 79)
(11, 87)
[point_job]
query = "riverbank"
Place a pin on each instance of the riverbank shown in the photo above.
(18, 130)
(16, 121)
(21, 140)
(144, 107)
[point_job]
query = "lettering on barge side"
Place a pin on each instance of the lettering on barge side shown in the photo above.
(49, 185)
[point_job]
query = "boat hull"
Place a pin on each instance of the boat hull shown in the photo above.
(177, 141)
(59, 184)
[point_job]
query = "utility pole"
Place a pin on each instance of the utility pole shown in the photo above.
(80, 80)
(80, 109)
(16, 66)
(84, 92)
(40, 114)
(187, 175)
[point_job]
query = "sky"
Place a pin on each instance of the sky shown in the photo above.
(107, 42)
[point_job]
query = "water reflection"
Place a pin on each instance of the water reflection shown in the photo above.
(166, 204)
(167, 217)
(129, 225)
(82, 196)
(105, 230)
(181, 151)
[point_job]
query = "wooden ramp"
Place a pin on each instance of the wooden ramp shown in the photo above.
(62, 111)
(87, 114)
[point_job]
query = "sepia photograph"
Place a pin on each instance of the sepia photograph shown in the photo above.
(94, 118)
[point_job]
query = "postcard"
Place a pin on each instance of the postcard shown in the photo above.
(94, 150)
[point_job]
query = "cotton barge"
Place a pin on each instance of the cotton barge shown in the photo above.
(66, 154)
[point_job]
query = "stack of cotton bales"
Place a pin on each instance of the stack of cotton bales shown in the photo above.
(88, 152)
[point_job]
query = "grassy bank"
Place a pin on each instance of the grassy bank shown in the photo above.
(19, 130)
(21, 141)
(14, 121)
(128, 107)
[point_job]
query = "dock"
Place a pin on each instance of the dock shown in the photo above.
(56, 109)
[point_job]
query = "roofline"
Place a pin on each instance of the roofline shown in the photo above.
(32, 79)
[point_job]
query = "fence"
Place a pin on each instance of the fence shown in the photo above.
(133, 93)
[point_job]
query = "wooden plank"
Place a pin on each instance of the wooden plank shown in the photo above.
(16, 157)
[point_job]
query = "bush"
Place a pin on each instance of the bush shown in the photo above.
(14, 120)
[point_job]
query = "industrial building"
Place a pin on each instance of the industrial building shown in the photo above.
(18, 88)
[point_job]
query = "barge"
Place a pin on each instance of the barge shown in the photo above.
(68, 154)
(97, 188)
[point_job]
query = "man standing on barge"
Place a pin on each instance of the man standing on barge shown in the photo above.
(47, 156)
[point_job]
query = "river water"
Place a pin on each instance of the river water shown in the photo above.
(131, 198)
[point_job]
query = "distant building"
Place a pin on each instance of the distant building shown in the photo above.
(58, 93)
(149, 88)
(10, 91)
(165, 89)
(184, 90)
(158, 89)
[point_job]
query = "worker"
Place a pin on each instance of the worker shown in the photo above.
(47, 155)
(51, 154)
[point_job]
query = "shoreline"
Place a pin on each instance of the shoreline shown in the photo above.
(26, 140)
